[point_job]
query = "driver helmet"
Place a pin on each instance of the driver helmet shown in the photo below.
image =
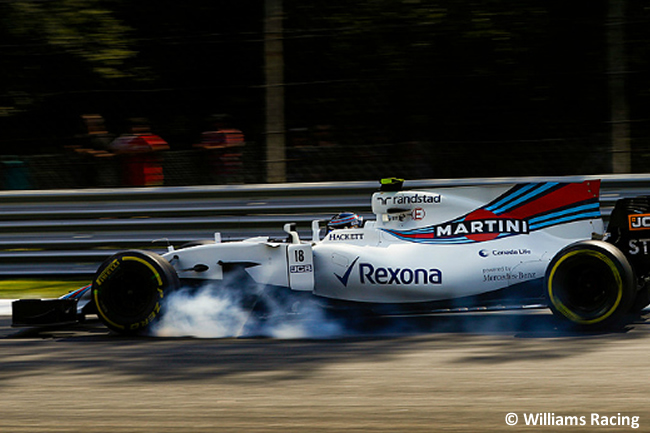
(345, 220)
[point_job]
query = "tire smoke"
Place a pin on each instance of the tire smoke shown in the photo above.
(240, 310)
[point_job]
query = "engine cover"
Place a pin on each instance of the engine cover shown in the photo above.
(629, 231)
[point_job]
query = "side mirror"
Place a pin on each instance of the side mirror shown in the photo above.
(315, 230)
(290, 228)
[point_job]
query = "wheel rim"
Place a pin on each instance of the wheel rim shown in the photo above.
(131, 291)
(585, 286)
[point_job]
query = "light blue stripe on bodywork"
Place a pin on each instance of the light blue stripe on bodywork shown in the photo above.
(512, 196)
(582, 216)
(533, 193)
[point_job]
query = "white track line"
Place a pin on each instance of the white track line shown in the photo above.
(5, 307)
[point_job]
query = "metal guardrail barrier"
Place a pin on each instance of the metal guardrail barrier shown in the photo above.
(70, 232)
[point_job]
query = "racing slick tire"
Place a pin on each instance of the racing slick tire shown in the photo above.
(641, 301)
(128, 289)
(591, 284)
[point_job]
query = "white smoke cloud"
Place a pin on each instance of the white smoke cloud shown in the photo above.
(308, 320)
(212, 312)
(202, 314)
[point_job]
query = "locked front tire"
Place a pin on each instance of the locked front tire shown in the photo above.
(128, 290)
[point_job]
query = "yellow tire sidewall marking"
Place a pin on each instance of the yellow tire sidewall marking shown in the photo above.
(139, 260)
(567, 312)
(147, 264)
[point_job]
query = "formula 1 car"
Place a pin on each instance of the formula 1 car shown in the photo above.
(444, 249)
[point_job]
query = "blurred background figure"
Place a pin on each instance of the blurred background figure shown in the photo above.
(97, 137)
(224, 145)
(139, 150)
(96, 166)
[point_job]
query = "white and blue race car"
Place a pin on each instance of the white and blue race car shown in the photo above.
(451, 249)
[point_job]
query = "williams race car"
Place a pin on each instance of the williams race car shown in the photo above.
(447, 249)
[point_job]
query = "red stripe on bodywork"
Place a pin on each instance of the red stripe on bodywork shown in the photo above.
(565, 196)
(417, 235)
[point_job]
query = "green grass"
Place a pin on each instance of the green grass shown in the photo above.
(32, 288)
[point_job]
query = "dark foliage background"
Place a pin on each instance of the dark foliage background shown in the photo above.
(416, 88)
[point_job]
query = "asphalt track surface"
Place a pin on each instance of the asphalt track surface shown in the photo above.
(457, 373)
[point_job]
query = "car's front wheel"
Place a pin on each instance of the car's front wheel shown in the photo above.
(128, 289)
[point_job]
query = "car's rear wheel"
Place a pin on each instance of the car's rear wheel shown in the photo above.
(591, 284)
(641, 301)
(128, 290)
